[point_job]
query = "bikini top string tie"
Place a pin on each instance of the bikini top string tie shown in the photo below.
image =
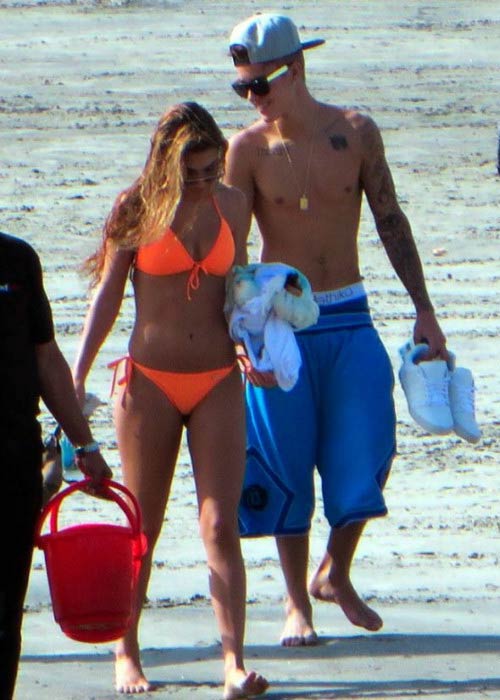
(193, 282)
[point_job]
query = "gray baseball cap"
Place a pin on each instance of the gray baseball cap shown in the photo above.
(266, 37)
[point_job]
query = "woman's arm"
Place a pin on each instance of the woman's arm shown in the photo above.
(239, 218)
(102, 314)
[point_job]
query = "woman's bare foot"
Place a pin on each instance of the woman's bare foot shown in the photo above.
(342, 592)
(240, 684)
(298, 630)
(129, 676)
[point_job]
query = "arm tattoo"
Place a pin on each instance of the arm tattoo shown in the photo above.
(392, 225)
(395, 233)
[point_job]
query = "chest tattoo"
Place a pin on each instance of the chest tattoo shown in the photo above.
(339, 142)
(265, 151)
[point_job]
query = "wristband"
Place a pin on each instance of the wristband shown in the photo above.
(87, 449)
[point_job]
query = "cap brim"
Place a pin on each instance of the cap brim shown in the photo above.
(311, 44)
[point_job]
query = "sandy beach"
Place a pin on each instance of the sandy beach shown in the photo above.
(83, 85)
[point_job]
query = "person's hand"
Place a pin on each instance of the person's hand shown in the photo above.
(427, 330)
(264, 380)
(94, 466)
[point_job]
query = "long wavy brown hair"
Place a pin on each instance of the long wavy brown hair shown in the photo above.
(143, 211)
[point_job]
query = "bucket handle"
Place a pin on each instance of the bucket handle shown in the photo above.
(106, 488)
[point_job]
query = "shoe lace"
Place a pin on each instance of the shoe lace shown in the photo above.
(436, 393)
(464, 398)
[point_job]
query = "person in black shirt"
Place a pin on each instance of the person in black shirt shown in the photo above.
(31, 367)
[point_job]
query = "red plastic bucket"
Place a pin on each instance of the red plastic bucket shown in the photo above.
(93, 568)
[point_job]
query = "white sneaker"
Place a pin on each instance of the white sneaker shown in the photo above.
(461, 392)
(425, 385)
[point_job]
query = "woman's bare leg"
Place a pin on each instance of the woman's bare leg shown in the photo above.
(149, 430)
(216, 436)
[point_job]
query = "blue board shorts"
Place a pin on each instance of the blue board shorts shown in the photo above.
(339, 417)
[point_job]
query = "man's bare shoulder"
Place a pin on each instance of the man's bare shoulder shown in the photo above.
(346, 127)
(357, 127)
(250, 137)
(348, 117)
(363, 124)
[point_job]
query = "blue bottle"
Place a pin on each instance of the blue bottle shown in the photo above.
(67, 453)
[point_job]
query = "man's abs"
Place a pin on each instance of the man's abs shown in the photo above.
(328, 258)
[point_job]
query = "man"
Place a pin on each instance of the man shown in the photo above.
(31, 366)
(304, 167)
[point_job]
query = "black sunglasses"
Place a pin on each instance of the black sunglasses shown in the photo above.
(259, 86)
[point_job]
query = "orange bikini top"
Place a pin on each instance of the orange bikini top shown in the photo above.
(168, 256)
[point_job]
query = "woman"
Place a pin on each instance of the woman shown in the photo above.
(177, 230)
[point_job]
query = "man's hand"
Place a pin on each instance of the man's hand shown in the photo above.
(265, 380)
(93, 465)
(427, 330)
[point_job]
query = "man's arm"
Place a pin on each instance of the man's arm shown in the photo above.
(58, 394)
(395, 233)
(239, 173)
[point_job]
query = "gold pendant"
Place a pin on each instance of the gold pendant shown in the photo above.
(304, 203)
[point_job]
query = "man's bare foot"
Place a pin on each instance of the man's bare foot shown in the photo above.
(240, 684)
(322, 587)
(129, 677)
(298, 630)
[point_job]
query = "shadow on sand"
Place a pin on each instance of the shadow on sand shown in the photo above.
(330, 649)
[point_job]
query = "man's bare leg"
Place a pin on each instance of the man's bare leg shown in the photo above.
(331, 581)
(294, 557)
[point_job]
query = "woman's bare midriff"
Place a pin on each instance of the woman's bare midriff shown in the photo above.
(175, 333)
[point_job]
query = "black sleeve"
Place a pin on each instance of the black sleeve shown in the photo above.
(42, 327)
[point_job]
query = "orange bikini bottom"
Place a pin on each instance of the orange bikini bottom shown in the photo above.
(185, 390)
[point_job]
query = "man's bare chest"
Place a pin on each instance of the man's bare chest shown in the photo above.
(325, 170)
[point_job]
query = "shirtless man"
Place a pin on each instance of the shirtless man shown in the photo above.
(304, 167)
